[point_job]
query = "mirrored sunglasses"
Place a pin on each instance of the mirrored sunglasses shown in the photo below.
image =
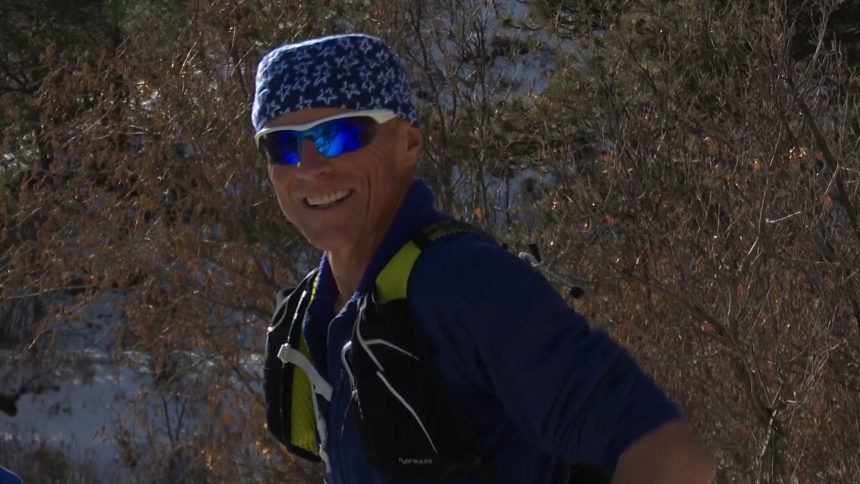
(332, 136)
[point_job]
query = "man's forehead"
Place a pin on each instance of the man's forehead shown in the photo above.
(305, 116)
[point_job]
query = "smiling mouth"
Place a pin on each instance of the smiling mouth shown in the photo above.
(328, 200)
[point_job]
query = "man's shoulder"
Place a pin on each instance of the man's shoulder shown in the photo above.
(469, 263)
(465, 250)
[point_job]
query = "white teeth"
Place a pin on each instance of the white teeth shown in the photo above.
(326, 199)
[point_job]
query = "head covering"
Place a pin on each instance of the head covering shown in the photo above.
(352, 71)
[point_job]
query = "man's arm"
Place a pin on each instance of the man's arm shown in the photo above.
(566, 389)
(668, 454)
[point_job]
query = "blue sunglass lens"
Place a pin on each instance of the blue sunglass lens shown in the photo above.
(342, 135)
(331, 138)
(282, 147)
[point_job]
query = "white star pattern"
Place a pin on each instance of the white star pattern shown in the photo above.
(321, 79)
(277, 70)
(327, 52)
(302, 55)
(382, 56)
(301, 84)
(341, 73)
(364, 45)
(327, 95)
(302, 68)
(403, 93)
(284, 90)
(387, 96)
(349, 62)
(323, 69)
(388, 76)
(349, 89)
(303, 103)
(350, 71)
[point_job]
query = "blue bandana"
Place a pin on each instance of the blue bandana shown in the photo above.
(352, 71)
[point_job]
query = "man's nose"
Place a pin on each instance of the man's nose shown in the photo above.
(312, 163)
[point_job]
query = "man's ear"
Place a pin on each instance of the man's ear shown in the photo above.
(414, 140)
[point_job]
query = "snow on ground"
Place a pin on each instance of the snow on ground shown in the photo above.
(93, 409)
(71, 402)
(76, 413)
(77, 405)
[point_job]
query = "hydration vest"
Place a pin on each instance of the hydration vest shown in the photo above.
(407, 425)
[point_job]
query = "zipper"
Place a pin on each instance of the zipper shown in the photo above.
(335, 410)
(339, 410)
(338, 418)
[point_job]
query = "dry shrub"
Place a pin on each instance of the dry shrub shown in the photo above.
(49, 463)
(694, 162)
(151, 188)
(715, 206)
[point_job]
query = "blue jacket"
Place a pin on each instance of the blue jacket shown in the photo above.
(542, 389)
(9, 477)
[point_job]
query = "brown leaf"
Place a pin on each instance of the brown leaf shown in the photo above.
(796, 155)
(713, 146)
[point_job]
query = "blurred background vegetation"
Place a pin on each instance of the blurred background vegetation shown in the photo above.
(695, 163)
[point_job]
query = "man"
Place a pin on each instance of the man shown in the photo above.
(539, 389)
(9, 477)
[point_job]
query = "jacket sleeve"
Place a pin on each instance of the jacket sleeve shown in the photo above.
(567, 389)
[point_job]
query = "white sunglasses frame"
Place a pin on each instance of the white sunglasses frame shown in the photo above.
(378, 115)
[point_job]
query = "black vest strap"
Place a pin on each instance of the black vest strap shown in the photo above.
(443, 229)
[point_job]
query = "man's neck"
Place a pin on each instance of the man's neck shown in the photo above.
(348, 265)
(347, 270)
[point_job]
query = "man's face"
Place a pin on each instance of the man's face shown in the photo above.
(374, 179)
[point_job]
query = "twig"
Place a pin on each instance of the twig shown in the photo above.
(842, 197)
(767, 444)
(841, 193)
(783, 218)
